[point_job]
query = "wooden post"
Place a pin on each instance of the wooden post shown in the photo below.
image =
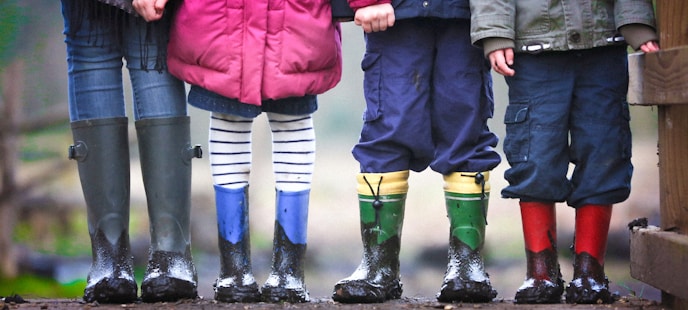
(663, 80)
(673, 137)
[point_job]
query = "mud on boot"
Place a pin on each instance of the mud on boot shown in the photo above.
(376, 279)
(539, 289)
(466, 199)
(589, 284)
(466, 279)
(286, 282)
(170, 276)
(111, 279)
(236, 282)
(382, 198)
(101, 149)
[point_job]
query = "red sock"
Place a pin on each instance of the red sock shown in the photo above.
(592, 229)
(539, 225)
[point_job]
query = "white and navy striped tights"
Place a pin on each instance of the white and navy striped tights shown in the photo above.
(293, 150)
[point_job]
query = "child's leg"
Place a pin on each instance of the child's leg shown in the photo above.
(230, 159)
(543, 282)
(293, 156)
(589, 284)
(601, 151)
(467, 195)
(381, 201)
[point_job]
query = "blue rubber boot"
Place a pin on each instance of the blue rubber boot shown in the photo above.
(286, 280)
(236, 282)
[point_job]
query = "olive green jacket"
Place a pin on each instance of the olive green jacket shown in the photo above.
(555, 25)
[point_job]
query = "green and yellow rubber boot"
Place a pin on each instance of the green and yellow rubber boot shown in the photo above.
(382, 197)
(467, 196)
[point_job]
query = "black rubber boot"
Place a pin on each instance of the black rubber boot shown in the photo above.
(236, 282)
(377, 278)
(166, 155)
(101, 148)
(466, 196)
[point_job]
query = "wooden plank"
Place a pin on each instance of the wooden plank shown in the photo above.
(660, 258)
(659, 78)
(636, 73)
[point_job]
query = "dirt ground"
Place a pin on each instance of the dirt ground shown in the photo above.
(326, 303)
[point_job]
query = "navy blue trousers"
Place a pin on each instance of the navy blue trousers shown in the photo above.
(569, 108)
(428, 98)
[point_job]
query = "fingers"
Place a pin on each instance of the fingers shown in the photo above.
(375, 18)
(150, 10)
(501, 61)
(649, 47)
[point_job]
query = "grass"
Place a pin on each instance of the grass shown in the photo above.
(30, 286)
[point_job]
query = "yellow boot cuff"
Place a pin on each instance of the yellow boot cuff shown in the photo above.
(389, 183)
(464, 183)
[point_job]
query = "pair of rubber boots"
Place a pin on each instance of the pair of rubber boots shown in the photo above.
(543, 283)
(236, 282)
(101, 149)
(382, 199)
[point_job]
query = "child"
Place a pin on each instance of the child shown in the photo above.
(429, 96)
(99, 35)
(245, 57)
(566, 68)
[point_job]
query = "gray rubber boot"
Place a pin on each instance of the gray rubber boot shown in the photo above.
(166, 155)
(101, 149)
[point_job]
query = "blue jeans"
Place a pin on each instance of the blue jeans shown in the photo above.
(428, 98)
(569, 107)
(95, 55)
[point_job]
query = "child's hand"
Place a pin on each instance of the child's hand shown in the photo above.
(375, 18)
(150, 10)
(649, 46)
(501, 61)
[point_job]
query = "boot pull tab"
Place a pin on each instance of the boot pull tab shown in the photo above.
(77, 151)
(377, 204)
(195, 151)
(480, 180)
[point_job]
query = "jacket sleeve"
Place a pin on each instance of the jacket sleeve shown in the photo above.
(357, 4)
(634, 12)
(492, 19)
(638, 34)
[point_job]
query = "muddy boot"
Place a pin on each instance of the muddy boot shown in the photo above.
(166, 156)
(543, 284)
(101, 148)
(286, 281)
(382, 198)
(236, 282)
(466, 195)
(590, 285)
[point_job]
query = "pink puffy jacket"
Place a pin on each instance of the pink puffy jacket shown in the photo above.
(252, 50)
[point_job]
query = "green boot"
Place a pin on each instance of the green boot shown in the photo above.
(466, 197)
(101, 148)
(382, 197)
(166, 155)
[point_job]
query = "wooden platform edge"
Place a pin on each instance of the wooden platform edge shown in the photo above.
(660, 258)
(658, 78)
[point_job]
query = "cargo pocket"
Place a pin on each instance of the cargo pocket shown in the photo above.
(371, 86)
(517, 140)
